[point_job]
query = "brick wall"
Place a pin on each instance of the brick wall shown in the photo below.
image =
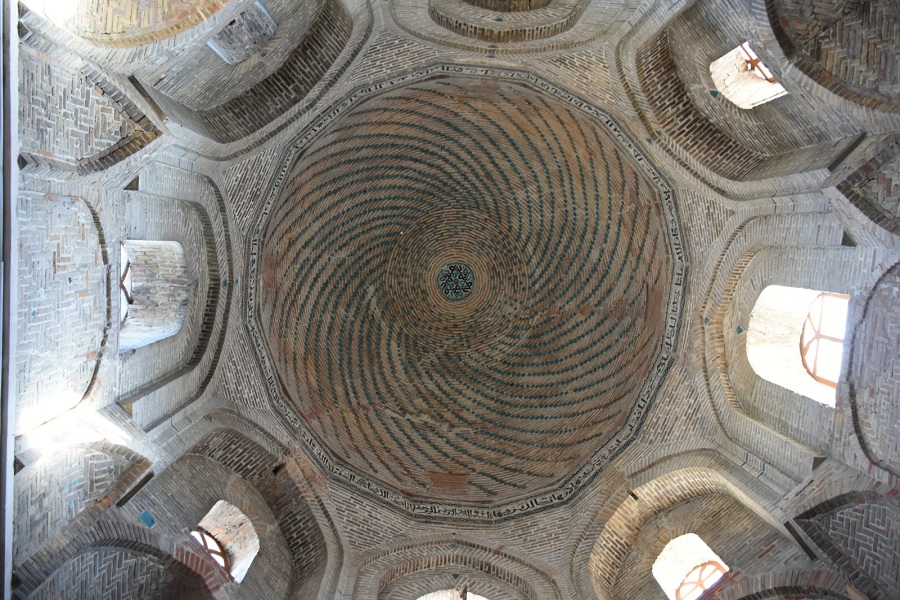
(124, 575)
(63, 305)
(680, 118)
(270, 478)
(258, 106)
(127, 23)
(159, 292)
(875, 187)
(179, 498)
(750, 548)
(852, 47)
(54, 491)
(71, 116)
(875, 383)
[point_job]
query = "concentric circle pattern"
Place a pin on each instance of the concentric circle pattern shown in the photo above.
(503, 392)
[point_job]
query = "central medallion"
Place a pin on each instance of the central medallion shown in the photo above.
(456, 281)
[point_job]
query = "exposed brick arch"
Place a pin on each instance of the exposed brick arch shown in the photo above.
(144, 575)
(873, 187)
(695, 488)
(708, 143)
(90, 478)
(786, 585)
(856, 531)
(851, 48)
(266, 472)
(94, 100)
(191, 209)
(294, 467)
(875, 412)
(304, 70)
(126, 23)
(419, 566)
(193, 571)
(747, 241)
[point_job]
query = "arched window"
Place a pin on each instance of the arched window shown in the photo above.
(154, 290)
(456, 594)
(212, 546)
(687, 567)
(744, 79)
(229, 537)
(822, 340)
(701, 578)
(795, 339)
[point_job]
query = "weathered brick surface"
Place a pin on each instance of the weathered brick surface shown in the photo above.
(484, 23)
(65, 116)
(245, 36)
(53, 492)
(63, 305)
(132, 22)
(156, 290)
(72, 116)
(268, 475)
(107, 573)
(748, 456)
(875, 187)
(875, 380)
(850, 46)
(756, 548)
(732, 157)
(867, 535)
(257, 107)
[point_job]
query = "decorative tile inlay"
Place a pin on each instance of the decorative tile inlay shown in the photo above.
(456, 281)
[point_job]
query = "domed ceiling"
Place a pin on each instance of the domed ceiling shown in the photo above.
(464, 286)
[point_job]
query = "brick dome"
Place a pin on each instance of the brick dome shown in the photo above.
(463, 288)
(126, 23)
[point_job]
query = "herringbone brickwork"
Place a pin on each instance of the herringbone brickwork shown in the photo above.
(107, 573)
(867, 535)
(67, 118)
(53, 492)
(62, 305)
(850, 46)
(125, 23)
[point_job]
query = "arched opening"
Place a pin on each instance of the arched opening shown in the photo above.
(154, 291)
(687, 567)
(245, 36)
(742, 77)
(212, 546)
(822, 340)
(795, 339)
(455, 594)
(228, 536)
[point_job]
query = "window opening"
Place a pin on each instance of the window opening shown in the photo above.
(744, 79)
(701, 578)
(155, 290)
(454, 594)
(754, 64)
(795, 340)
(687, 567)
(125, 283)
(212, 546)
(229, 537)
(822, 340)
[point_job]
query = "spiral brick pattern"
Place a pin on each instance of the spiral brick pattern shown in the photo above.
(504, 391)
